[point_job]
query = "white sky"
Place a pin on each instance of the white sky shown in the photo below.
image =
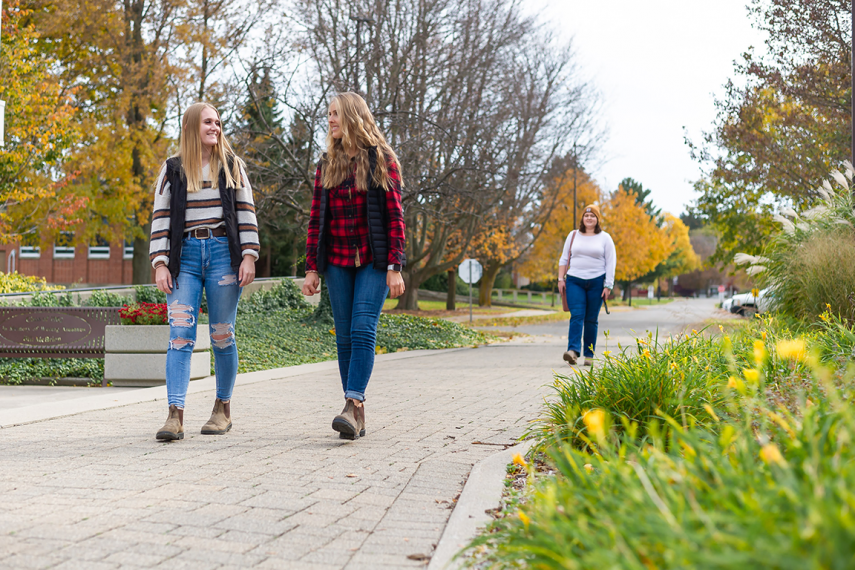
(659, 65)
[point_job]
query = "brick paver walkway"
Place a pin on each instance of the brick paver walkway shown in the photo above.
(95, 490)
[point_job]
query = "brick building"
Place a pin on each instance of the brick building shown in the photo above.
(108, 264)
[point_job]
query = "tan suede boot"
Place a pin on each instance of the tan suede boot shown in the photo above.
(350, 423)
(571, 356)
(360, 419)
(220, 421)
(174, 427)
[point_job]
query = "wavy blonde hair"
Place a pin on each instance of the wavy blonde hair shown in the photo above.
(358, 130)
(190, 151)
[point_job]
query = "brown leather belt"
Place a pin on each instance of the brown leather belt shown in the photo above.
(205, 233)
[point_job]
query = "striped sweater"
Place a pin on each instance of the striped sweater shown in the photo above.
(204, 210)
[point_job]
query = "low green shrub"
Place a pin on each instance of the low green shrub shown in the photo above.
(283, 295)
(103, 298)
(45, 299)
(149, 294)
(15, 371)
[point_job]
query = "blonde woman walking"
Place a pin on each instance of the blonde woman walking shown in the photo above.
(356, 239)
(204, 235)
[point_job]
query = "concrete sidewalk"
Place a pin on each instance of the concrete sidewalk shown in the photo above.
(95, 490)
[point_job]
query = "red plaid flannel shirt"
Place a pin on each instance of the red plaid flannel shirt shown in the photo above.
(348, 225)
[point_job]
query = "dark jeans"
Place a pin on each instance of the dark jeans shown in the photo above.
(584, 298)
(356, 295)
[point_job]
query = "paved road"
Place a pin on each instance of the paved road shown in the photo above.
(95, 490)
(624, 324)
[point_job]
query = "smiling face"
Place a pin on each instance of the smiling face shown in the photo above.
(334, 121)
(590, 220)
(209, 129)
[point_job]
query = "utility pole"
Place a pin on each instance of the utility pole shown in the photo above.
(575, 167)
(359, 21)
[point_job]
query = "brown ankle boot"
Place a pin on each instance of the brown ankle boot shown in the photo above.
(174, 427)
(350, 423)
(360, 419)
(220, 421)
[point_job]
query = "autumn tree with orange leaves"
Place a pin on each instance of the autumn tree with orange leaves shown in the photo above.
(640, 243)
(541, 261)
(40, 127)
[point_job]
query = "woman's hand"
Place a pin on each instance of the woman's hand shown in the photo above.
(395, 283)
(606, 293)
(562, 286)
(311, 284)
(246, 273)
(163, 279)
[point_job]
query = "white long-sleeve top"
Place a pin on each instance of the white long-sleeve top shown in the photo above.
(593, 255)
(204, 210)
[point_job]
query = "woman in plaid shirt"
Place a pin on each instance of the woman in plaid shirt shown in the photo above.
(356, 239)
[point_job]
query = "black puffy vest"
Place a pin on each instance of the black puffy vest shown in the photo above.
(178, 211)
(378, 221)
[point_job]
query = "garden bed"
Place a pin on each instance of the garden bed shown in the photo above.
(725, 452)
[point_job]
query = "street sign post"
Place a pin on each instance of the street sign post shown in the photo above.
(470, 271)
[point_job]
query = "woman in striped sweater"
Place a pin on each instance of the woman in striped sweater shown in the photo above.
(204, 235)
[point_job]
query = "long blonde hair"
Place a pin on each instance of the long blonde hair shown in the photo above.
(190, 151)
(358, 130)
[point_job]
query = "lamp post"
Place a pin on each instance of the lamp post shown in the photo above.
(359, 21)
(575, 167)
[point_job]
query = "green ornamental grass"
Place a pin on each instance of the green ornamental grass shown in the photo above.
(751, 481)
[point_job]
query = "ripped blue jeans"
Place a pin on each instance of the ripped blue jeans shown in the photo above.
(205, 263)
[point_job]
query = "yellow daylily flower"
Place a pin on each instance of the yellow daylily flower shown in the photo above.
(792, 349)
(752, 375)
(759, 352)
(519, 460)
(595, 422)
(771, 454)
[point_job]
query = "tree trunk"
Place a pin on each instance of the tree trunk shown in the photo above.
(140, 264)
(451, 298)
(485, 289)
(629, 289)
(410, 299)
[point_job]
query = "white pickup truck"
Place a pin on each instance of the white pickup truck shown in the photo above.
(746, 304)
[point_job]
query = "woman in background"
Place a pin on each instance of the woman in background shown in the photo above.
(586, 274)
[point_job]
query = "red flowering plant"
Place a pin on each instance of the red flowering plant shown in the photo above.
(144, 314)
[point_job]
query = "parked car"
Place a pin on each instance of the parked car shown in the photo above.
(746, 304)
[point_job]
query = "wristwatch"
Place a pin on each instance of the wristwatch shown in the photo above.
(393, 267)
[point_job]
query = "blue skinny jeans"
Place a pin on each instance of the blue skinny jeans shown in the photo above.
(584, 298)
(356, 295)
(205, 263)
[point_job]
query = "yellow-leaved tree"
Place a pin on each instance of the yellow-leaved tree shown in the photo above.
(640, 244)
(40, 127)
(541, 261)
